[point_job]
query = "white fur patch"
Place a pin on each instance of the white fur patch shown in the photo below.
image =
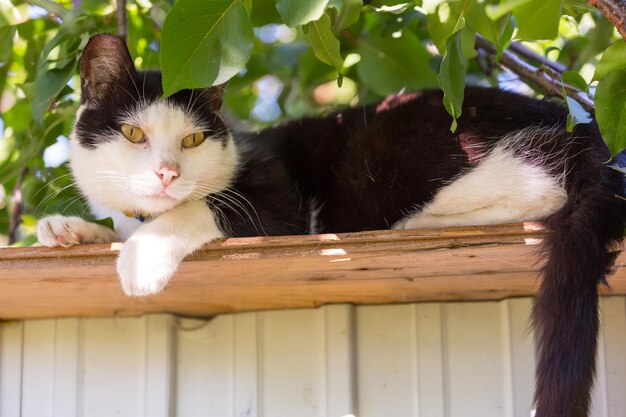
(64, 231)
(503, 188)
(152, 254)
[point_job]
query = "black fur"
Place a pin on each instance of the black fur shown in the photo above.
(366, 168)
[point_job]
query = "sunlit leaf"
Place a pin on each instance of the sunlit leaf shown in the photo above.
(441, 25)
(611, 109)
(300, 12)
(614, 58)
(497, 11)
(452, 76)
(386, 67)
(325, 45)
(538, 19)
(430, 6)
(204, 43)
(347, 13)
(477, 19)
(7, 14)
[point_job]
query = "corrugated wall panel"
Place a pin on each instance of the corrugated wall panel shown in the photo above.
(11, 374)
(413, 360)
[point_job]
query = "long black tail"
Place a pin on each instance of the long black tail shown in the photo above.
(581, 248)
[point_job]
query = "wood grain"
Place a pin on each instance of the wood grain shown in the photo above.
(261, 273)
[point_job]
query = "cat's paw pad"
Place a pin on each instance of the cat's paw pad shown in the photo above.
(64, 231)
(145, 265)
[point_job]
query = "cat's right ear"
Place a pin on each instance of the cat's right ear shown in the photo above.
(105, 66)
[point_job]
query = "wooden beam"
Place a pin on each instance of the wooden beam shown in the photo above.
(461, 263)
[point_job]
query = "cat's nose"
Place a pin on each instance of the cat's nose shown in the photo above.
(168, 173)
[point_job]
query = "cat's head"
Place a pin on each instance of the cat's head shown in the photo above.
(134, 151)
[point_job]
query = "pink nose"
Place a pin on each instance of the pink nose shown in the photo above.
(167, 174)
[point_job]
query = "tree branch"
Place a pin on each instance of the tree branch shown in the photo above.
(121, 19)
(17, 206)
(615, 12)
(540, 76)
(521, 50)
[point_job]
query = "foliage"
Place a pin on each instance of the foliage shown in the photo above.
(284, 59)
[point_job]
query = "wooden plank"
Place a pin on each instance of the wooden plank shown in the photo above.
(245, 274)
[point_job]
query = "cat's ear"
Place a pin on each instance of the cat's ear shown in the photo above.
(212, 97)
(105, 66)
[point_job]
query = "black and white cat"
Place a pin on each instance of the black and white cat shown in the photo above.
(394, 164)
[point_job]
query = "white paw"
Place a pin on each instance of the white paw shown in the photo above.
(69, 231)
(145, 265)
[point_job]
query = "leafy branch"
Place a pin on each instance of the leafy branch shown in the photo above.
(547, 76)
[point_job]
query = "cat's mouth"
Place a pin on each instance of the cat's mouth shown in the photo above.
(162, 195)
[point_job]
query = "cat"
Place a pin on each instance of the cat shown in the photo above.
(173, 177)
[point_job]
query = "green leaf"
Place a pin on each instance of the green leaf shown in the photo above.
(431, 6)
(7, 14)
(264, 12)
(538, 19)
(47, 86)
(505, 39)
(386, 66)
(19, 116)
(325, 46)
(397, 9)
(204, 42)
(614, 58)
(29, 240)
(596, 40)
(441, 25)
(300, 12)
(452, 74)
(6, 42)
(577, 114)
(348, 12)
(498, 10)
(108, 222)
(575, 80)
(611, 109)
(477, 19)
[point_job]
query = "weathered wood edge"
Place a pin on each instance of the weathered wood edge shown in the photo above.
(448, 264)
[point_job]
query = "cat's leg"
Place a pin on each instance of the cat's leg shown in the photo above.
(68, 231)
(152, 254)
(502, 189)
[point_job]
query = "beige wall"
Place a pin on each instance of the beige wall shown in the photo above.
(415, 360)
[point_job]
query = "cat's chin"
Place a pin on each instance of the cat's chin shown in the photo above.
(146, 204)
(158, 203)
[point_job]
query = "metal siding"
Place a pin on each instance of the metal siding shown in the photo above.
(411, 360)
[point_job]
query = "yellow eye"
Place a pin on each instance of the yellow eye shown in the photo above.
(132, 133)
(193, 140)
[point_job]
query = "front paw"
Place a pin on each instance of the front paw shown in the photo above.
(145, 265)
(68, 231)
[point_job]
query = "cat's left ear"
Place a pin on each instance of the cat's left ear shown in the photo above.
(212, 97)
(105, 66)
